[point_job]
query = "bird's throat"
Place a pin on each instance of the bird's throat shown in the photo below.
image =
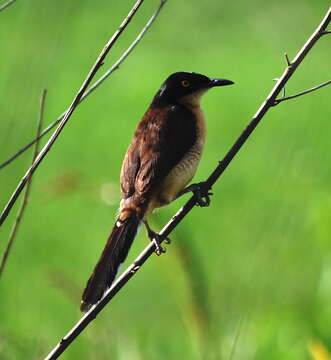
(192, 100)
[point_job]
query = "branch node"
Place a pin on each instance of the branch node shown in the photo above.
(284, 98)
(288, 62)
(134, 269)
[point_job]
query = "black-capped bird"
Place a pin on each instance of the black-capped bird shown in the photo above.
(161, 160)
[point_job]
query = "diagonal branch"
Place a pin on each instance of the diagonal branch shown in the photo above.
(277, 101)
(116, 66)
(24, 202)
(5, 5)
(181, 213)
(69, 112)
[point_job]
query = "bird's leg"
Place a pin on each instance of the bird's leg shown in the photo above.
(202, 195)
(155, 238)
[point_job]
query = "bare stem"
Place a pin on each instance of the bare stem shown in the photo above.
(277, 101)
(181, 213)
(24, 202)
(69, 112)
(5, 5)
(115, 67)
(288, 62)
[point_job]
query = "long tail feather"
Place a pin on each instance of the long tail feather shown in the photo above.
(114, 253)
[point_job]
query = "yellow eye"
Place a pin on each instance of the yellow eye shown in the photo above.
(185, 83)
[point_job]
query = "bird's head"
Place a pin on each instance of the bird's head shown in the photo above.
(186, 88)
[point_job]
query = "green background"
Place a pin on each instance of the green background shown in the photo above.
(247, 278)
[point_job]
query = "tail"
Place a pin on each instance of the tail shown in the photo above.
(114, 253)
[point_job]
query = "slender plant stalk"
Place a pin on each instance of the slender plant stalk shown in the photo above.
(115, 67)
(5, 5)
(277, 101)
(236, 336)
(181, 213)
(69, 112)
(24, 202)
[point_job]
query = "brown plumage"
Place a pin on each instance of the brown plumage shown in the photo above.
(159, 163)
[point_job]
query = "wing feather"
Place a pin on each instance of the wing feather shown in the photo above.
(161, 140)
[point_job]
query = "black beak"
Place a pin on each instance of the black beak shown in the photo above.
(220, 82)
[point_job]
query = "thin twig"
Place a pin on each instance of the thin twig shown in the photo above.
(277, 101)
(24, 202)
(116, 66)
(69, 112)
(5, 5)
(181, 213)
(288, 62)
(326, 32)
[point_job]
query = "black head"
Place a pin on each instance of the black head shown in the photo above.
(181, 84)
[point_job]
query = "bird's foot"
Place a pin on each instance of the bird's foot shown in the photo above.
(201, 193)
(156, 239)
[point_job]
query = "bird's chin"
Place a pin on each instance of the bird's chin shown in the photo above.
(193, 100)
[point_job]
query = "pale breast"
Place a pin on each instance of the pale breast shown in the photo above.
(184, 171)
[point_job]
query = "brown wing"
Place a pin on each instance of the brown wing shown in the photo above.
(161, 140)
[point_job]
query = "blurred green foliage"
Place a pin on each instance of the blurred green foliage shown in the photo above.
(247, 278)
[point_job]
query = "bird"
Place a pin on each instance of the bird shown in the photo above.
(160, 162)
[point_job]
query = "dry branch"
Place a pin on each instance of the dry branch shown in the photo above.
(114, 67)
(179, 216)
(70, 110)
(24, 202)
(277, 101)
(5, 5)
